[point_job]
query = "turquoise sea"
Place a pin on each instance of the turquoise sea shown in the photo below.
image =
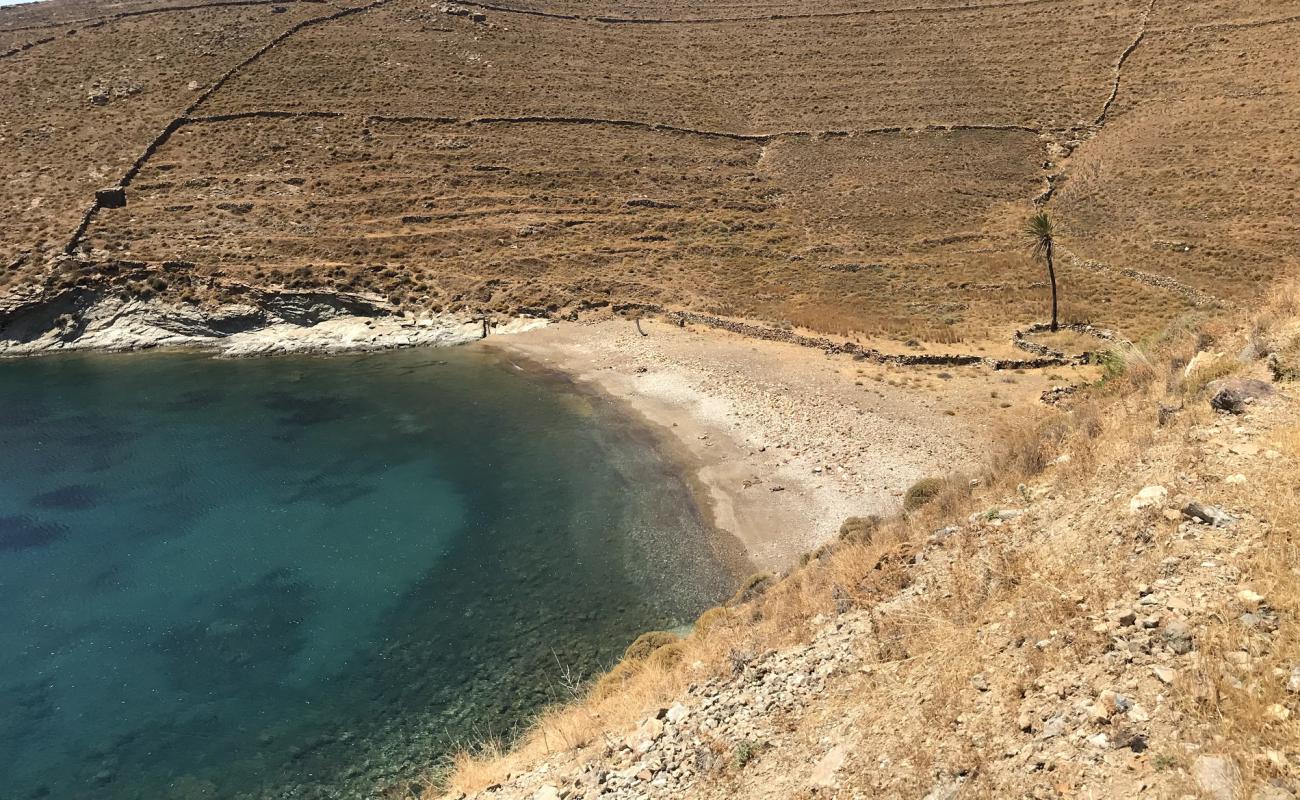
(310, 577)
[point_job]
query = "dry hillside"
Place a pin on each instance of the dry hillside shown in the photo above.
(1106, 610)
(847, 165)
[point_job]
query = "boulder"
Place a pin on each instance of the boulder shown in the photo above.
(823, 773)
(676, 713)
(1164, 674)
(1210, 515)
(1217, 777)
(1235, 394)
(1179, 637)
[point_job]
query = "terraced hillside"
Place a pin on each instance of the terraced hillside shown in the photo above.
(851, 166)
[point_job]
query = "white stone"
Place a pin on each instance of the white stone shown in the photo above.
(1250, 599)
(117, 325)
(677, 712)
(823, 773)
(1148, 497)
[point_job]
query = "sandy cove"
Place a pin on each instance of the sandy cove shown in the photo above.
(785, 442)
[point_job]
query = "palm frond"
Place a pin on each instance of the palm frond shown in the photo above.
(1039, 232)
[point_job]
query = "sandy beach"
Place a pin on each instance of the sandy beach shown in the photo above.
(784, 442)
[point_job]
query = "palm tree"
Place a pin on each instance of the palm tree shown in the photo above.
(1042, 241)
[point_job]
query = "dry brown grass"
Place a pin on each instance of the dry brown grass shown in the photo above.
(1237, 693)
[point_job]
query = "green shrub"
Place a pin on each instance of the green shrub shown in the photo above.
(1112, 364)
(746, 751)
(922, 492)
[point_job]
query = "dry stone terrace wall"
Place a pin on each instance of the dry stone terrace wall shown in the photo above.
(80, 110)
(1047, 359)
(694, 12)
(904, 69)
(845, 166)
(544, 215)
(30, 16)
(14, 41)
(1195, 176)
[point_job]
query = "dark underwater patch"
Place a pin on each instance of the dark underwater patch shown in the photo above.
(194, 400)
(76, 497)
(251, 637)
(295, 409)
(21, 532)
(333, 494)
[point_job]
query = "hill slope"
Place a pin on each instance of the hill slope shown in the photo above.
(849, 167)
(1110, 613)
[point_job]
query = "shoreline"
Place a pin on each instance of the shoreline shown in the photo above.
(737, 416)
(778, 443)
(728, 547)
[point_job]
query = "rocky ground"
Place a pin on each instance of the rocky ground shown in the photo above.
(1124, 636)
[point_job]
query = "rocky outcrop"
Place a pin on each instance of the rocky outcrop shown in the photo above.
(263, 322)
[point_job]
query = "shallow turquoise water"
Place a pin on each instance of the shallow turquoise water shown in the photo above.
(307, 577)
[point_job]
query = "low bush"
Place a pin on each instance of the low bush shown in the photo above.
(647, 643)
(711, 619)
(1200, 377)
(921, 493)
(667, 656)
(859, 529)
(1284, 362)
(753, 587)
(614, 681)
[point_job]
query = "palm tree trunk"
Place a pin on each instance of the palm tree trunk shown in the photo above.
(1051, 273)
